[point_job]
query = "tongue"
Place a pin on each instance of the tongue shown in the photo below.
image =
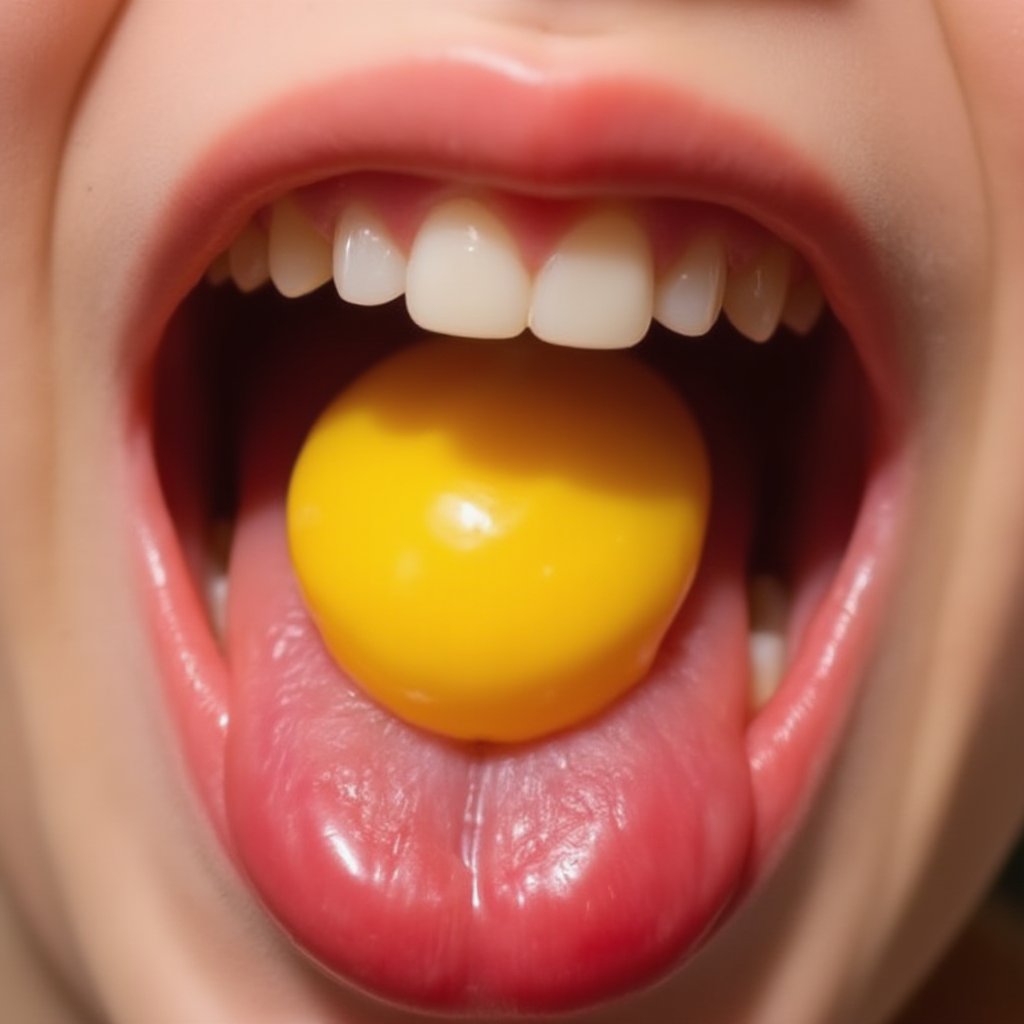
(461, 877)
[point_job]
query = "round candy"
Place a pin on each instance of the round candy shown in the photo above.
(494, 537)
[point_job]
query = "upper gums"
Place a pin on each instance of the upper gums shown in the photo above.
(478, 263)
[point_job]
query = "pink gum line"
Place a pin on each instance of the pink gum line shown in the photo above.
(536, 222)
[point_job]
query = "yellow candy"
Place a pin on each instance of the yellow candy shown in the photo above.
(493, 537)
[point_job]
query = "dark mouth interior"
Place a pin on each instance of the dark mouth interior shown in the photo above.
(798, 409)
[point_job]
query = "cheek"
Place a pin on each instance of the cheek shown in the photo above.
(46, 48)
(985, 41)
(962, 804)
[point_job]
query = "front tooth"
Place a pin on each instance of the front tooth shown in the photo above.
(755, 295)
(369, 268)
(597, 288)
(465, 276)
(247, 258)
(300, 259)
(804, 304)
(769, 617)
(689, 297)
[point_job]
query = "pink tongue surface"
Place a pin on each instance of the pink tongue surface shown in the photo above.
(462, 877)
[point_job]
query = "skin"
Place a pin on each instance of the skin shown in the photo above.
(119, 903)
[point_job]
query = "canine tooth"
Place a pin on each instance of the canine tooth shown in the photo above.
(300, 259)
(769, 616)
(369, 269)
(465, 276)
(804, 304)
(755, 294)
(688, 298)
(247, 258)
(220, 270)
(597, 289)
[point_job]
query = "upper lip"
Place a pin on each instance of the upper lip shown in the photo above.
(461, 116)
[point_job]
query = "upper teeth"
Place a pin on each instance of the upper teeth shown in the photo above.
(465, 275)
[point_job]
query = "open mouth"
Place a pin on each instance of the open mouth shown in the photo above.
(545, 875)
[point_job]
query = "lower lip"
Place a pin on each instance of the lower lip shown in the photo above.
(595, 898)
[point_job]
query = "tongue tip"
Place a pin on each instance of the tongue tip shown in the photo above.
(539, 961)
